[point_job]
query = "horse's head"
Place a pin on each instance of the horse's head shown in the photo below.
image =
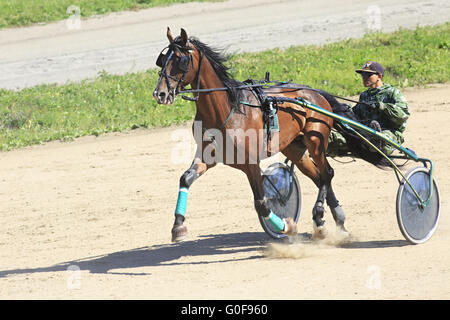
(177, 68)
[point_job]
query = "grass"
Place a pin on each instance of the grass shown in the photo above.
(111, 103)
(25, 12)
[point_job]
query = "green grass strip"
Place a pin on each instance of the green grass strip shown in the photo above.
(25, 12)
(111, 103)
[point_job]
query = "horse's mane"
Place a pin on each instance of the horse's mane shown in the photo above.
(217, 58)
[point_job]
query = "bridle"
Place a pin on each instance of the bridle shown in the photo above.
(183, 65)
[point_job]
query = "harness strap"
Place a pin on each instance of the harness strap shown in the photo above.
(268, 106)
(198, 79)
(211, 136)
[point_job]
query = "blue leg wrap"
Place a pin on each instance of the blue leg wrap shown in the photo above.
(182, 202)
(275, 221)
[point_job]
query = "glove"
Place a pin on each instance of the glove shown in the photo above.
(381, 105)
(378, 105)
(374, 105)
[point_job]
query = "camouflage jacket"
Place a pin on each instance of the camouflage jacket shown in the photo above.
(390, 108)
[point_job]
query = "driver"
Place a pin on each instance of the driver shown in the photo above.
(381, 107)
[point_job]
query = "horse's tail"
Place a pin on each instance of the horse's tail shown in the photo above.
(354, 142)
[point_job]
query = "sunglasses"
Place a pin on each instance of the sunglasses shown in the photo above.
(368, 74)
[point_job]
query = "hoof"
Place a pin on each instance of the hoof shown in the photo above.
(342, 232)
(320, 232)
(179, 233)
(318, 211)
(290, 227)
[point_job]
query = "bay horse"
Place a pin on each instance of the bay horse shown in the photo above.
(302, 137)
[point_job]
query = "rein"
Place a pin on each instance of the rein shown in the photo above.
(225, 88)
(263, 84)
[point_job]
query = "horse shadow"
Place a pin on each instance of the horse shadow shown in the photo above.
(374, 244)
(223, 246)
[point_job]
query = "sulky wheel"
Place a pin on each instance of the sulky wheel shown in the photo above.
(283, 195)
(417, 222)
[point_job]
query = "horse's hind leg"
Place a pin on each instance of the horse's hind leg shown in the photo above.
(296, 152)
(336, 209)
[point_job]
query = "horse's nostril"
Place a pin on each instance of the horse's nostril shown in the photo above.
(161, 96)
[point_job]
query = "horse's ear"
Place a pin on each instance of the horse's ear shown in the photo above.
(169, 35)
(184, 36)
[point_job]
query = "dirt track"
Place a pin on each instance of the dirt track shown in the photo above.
(92, 219)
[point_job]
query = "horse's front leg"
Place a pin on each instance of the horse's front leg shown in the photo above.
(286, 226)
(197, 168)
